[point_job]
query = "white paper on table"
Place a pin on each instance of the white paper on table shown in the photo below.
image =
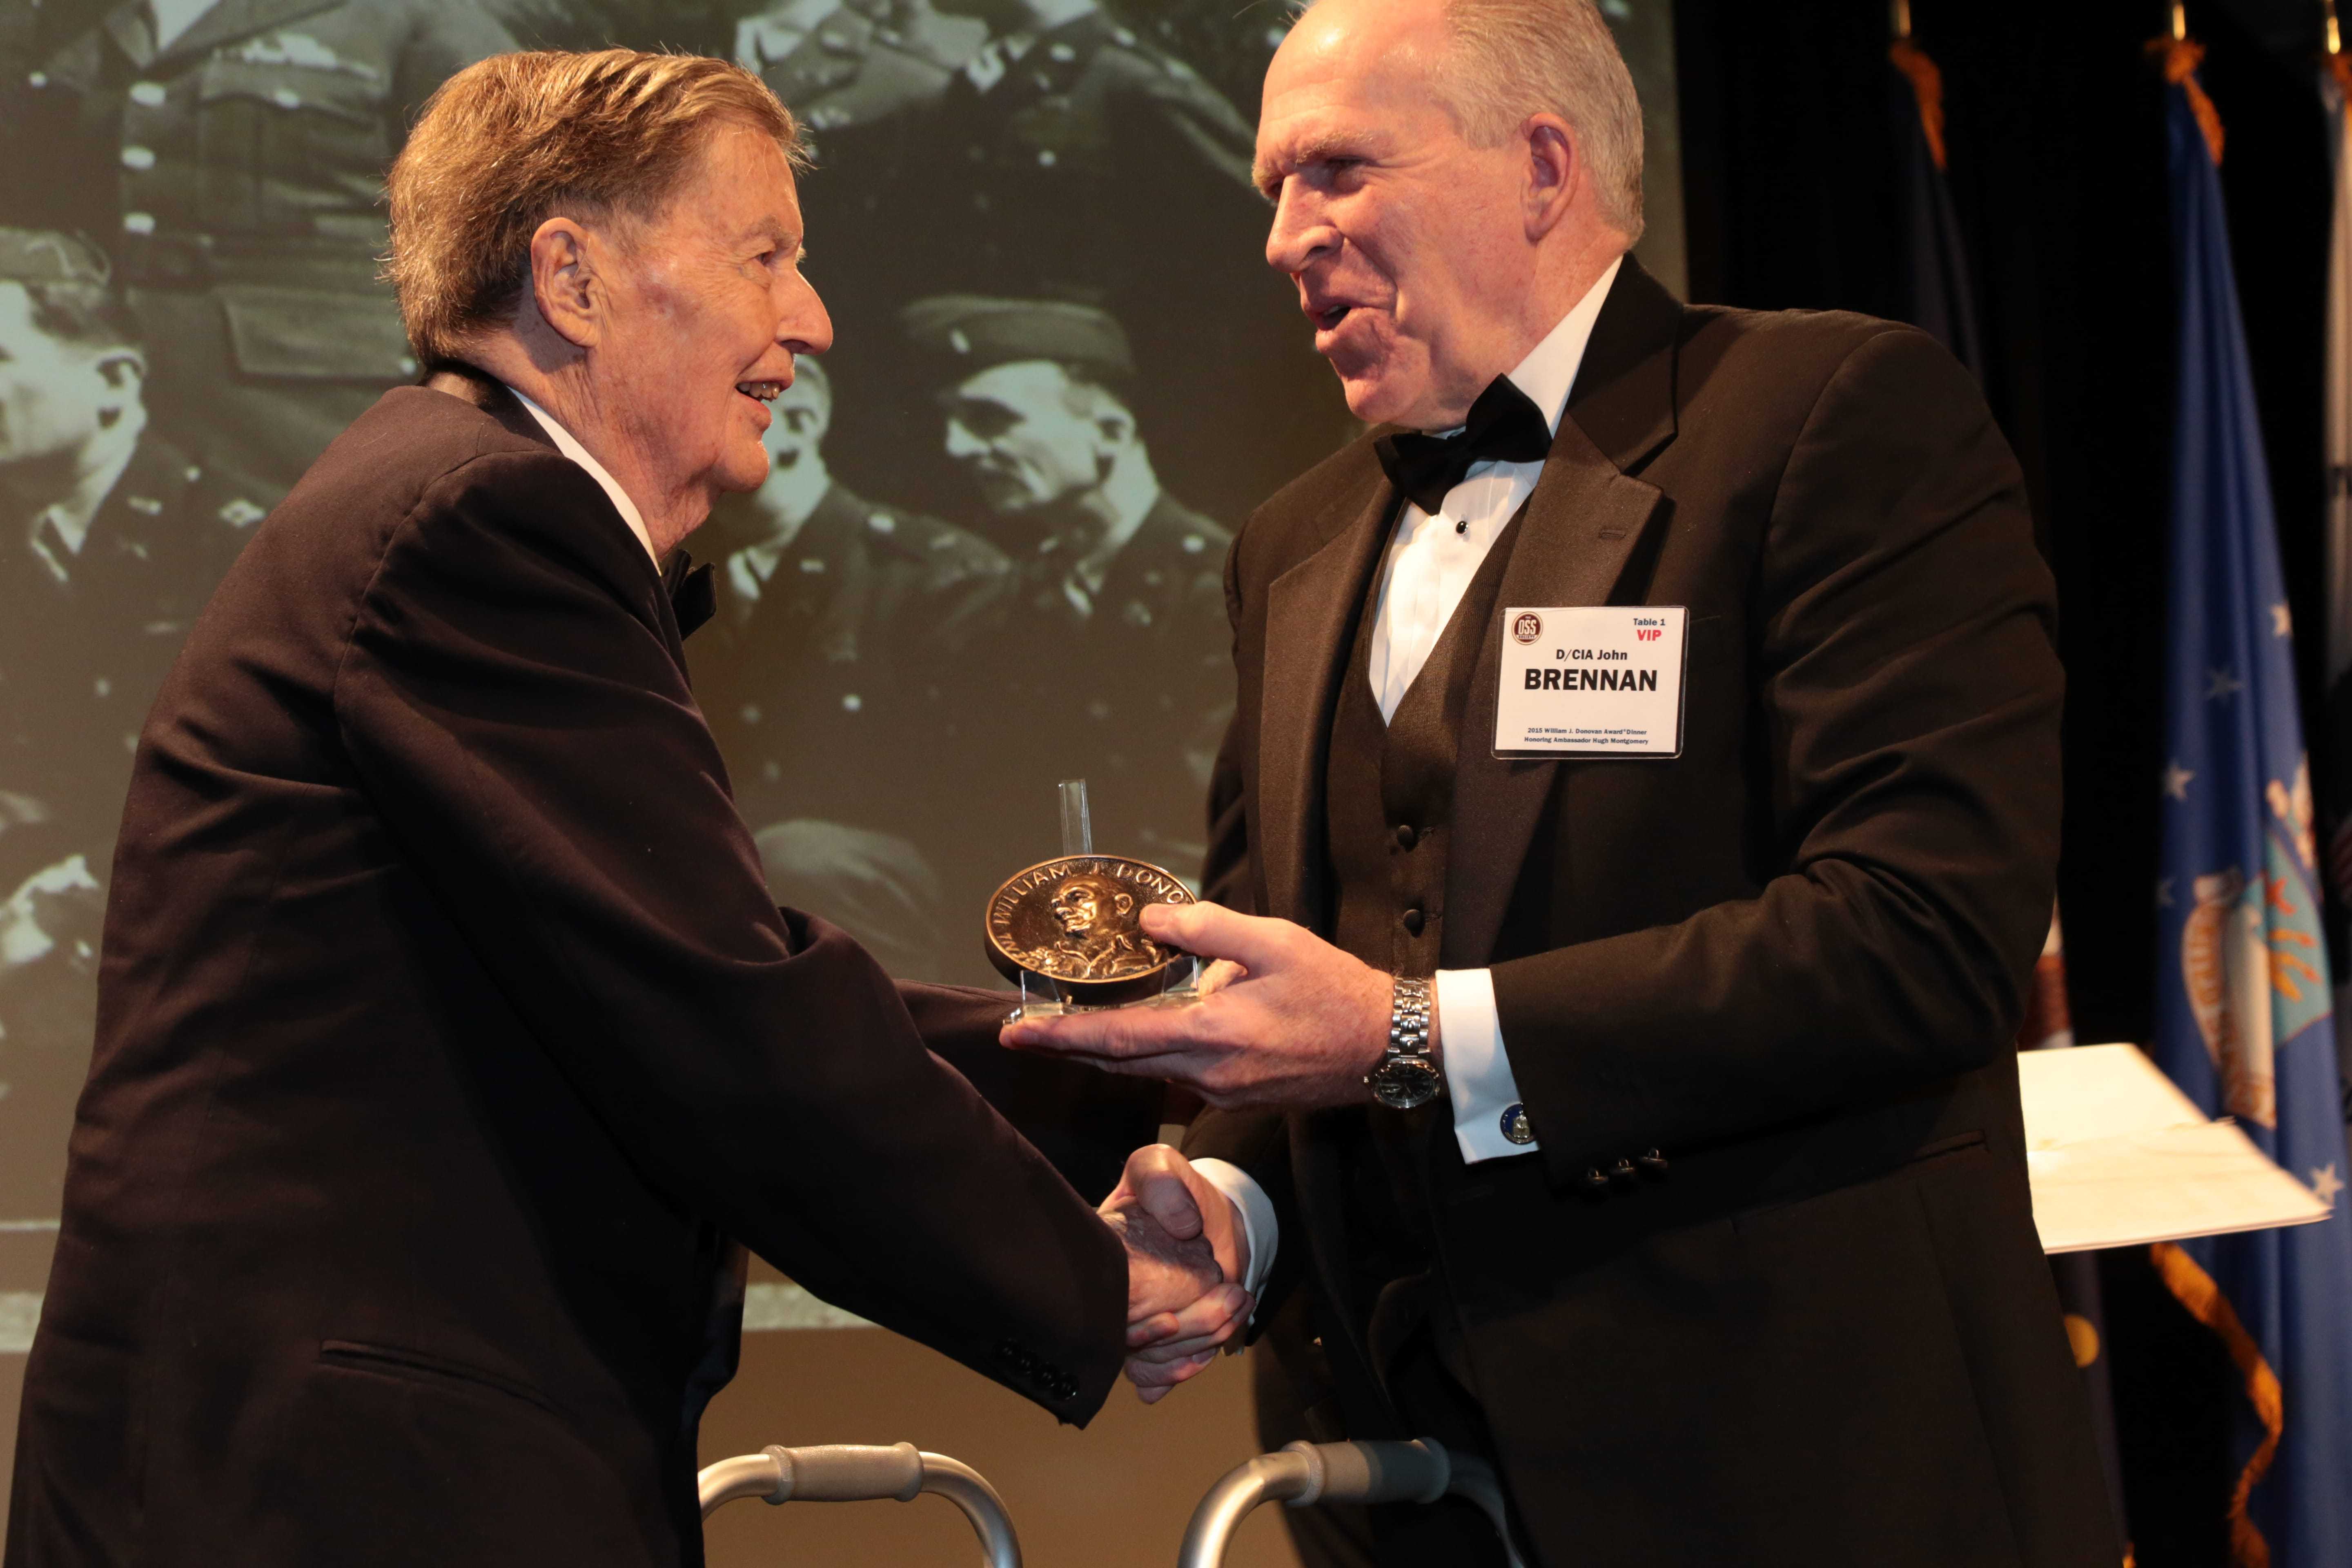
(2119, 1157)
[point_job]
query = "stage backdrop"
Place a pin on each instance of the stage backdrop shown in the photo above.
(987, 557)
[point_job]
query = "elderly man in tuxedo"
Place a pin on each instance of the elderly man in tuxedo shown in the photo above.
(1644, 1121)
(449, 1041)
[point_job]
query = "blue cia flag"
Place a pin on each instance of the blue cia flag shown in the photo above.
(2243, 996)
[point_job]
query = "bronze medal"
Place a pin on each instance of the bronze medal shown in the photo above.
(1074, 921)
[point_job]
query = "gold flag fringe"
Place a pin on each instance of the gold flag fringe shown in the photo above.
(2195, 1290)
(1927, 87)
(2179, 58)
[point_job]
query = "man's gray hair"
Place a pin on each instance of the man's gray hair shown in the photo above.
(1512, 59)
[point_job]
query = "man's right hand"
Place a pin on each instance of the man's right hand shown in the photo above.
(1188, 1253)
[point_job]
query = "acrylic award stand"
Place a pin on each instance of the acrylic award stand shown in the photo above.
(1043, 995)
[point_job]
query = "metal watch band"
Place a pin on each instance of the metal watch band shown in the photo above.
(1405, 1077)
(1409, 1016)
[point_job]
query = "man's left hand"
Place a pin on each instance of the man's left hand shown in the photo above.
(1287, 1021)
(1179, 1307)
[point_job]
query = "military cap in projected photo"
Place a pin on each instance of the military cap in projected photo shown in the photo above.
(1119, 638)
(974, 331)
(44, 255)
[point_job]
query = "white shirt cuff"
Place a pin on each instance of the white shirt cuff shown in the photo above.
(1477, 1071)
(1241, 1189)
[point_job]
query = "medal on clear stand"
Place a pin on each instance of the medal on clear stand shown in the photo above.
(1068, 931)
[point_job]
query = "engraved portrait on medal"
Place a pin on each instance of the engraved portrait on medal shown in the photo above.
(1074, 921)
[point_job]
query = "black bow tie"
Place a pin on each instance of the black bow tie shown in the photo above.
(1504, 426)
(693, 595)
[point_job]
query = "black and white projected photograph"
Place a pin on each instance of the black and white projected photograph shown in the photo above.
(988, 554)
(1116, 839)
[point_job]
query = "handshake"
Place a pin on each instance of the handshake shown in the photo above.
(1285, 1022)
(1188, 1253)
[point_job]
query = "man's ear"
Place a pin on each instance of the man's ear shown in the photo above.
(1555, 169)
(565, 284)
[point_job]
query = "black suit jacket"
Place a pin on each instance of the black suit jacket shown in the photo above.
(446, 1036)
(1789, 960)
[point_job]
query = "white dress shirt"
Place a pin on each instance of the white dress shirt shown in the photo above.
(565, 444)
(1429, 561)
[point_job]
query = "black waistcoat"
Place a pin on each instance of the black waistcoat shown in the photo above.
(1387, 821)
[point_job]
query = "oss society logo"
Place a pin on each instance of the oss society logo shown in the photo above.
(1527, 628)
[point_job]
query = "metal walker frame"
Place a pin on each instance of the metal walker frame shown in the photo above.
(853, 1472)
(1302, 1473)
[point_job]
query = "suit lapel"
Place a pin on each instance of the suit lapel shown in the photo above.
(1310, 611)
(1583, 524)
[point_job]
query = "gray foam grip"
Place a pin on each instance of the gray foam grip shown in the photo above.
(1383, 1473)
(851, 1472)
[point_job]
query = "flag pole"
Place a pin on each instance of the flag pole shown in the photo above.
(1902, 18)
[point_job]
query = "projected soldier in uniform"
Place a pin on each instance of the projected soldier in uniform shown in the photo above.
(1115, 655)
(231, 155)
(111, 539)
(842, 63)
(834, 680)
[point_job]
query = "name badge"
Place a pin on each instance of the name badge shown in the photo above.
(1592, 680)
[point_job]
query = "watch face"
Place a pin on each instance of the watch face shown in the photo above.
(1403, 1082)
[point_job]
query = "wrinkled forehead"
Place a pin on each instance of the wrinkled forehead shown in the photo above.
(738, 189)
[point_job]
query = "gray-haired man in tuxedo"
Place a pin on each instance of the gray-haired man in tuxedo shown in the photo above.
(1641, 1113)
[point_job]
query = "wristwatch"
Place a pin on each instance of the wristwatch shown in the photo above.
(1405, 1077)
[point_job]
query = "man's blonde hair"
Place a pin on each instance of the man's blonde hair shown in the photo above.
(1512, 59)
(515, 140)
